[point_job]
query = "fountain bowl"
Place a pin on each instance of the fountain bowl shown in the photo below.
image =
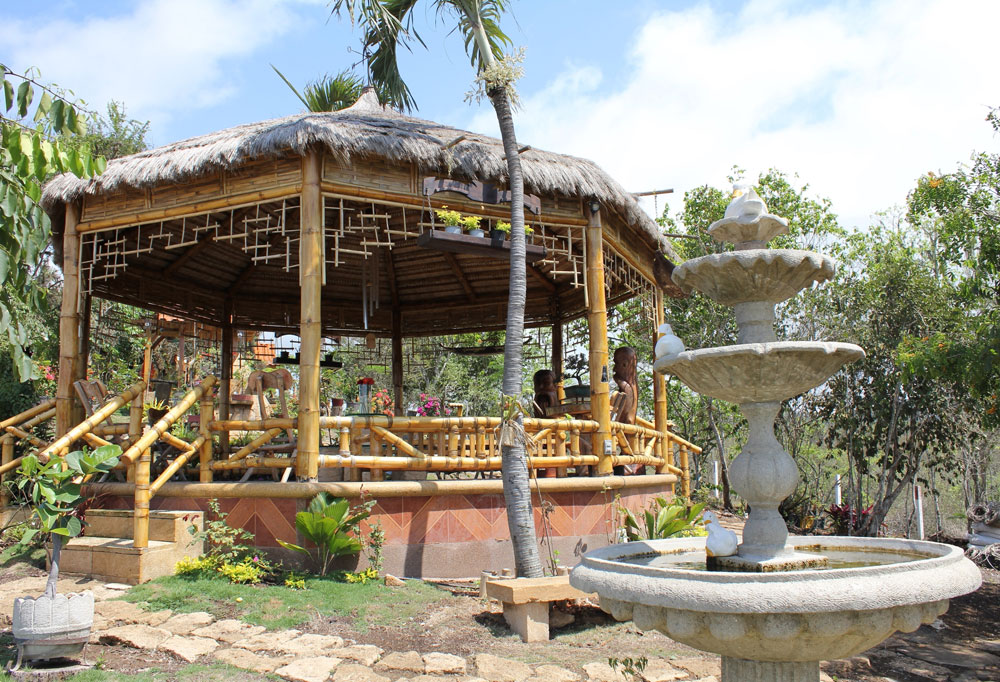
(805, 615)
(772, 275)
(759, 372)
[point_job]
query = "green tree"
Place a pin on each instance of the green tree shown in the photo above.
(388, 25)
(960, 215)
(31, 150)
(329, 93)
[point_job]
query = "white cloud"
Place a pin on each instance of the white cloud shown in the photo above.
(857, 98)
(163, 57)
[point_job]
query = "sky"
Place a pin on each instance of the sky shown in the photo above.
(855, 98)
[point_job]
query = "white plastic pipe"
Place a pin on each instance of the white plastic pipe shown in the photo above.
(918, 505)
(715, 479)
(836, 492)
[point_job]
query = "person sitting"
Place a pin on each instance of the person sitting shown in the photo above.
(546, 395)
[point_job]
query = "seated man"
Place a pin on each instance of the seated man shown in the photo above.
(546, 395)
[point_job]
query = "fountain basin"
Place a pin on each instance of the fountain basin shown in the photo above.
(807, 615)
(759, 372)
(772, 275)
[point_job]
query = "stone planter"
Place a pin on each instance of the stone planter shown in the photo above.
(52, 627)
(453, 229)
(477, 233)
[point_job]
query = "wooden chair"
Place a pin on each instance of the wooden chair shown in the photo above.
(93, 395)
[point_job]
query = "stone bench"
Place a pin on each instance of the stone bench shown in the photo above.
(526, 602)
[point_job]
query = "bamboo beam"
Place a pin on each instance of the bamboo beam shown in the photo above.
(541, 277)
(470, 293)
(105, 411)
(113, 429)
(94, 441)
(234, 201)
(69, 321)
(401, 444)
(260, 440)
(41, 407)
(10, 465)
(597, 325)
(159, 428)
(253, 424)
(190, 253)
(384, 489)
(430, 463)
(311, 265)
(207, 413)
(176, 465)
(38, 419)
(82, 355)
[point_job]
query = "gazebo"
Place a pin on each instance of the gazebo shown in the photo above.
(325, 225)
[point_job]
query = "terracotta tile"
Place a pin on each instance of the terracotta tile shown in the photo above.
(437, 530)
(476, 524)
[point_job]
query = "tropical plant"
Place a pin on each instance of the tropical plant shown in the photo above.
(51, 489)
(471, 222)
(662, 519)
(449, 217)
(388, 25)
(328, 523)
(32, 148)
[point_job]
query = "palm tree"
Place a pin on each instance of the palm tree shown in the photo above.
(329, 93)
(388, 26)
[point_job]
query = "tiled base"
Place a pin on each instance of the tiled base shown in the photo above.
(442, 535)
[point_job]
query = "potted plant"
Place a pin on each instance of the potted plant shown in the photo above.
(56, 625)
(452, 220)
(471, 224)
(501, 230)
(576, 365)
(155, 409)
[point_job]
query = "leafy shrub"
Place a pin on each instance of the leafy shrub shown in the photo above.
(250, 571)
(197, 567)
(295, 581)
(328, 523)
(362, 577)
(846, 520)
(223, 542)
(663, 519)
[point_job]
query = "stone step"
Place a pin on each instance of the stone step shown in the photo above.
(164, 526)
(107, 552)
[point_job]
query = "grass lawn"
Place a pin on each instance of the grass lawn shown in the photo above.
(279, 607)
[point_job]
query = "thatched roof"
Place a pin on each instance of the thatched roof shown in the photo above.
(365, 129)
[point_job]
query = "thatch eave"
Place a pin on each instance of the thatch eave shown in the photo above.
(363, 130)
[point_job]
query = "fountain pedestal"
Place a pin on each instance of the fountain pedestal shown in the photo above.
(777, 607)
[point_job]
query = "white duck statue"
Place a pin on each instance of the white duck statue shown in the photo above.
(720, 541)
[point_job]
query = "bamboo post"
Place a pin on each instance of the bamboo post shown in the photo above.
(207, 413)
(659, 387)
(226, 373)
(83, 355)
(69, 322)
(557, 352)
(311, 262)
(6, 457)
(397, 361)
(140, 518)
(597, 325)
(685, 473)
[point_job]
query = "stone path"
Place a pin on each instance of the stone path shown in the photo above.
(306, 657)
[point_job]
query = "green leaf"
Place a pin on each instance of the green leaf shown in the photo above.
(74, 526)
(8, 94)
(58, 116)
(4, 267)
(24, 96)
(289, 545)
(43, 107)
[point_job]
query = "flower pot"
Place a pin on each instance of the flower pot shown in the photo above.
(453, 229)
(497, 238)
(153, 415)
(578, 391)
(52, 627)
(477, 233)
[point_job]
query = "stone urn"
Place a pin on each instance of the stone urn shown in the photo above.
(52, 627)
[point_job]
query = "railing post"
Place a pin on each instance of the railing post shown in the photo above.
(206, 415)
(685, 473)
(597, 326)
(140, 532)
(7, 449)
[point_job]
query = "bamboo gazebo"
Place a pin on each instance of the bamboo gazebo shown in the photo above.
(323, 224)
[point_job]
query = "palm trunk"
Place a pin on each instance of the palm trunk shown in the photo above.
(50, 584)
(514, 462)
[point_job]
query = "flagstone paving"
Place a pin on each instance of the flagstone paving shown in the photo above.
(309, 657)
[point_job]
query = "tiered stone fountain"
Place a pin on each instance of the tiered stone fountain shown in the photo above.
(781, 604)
